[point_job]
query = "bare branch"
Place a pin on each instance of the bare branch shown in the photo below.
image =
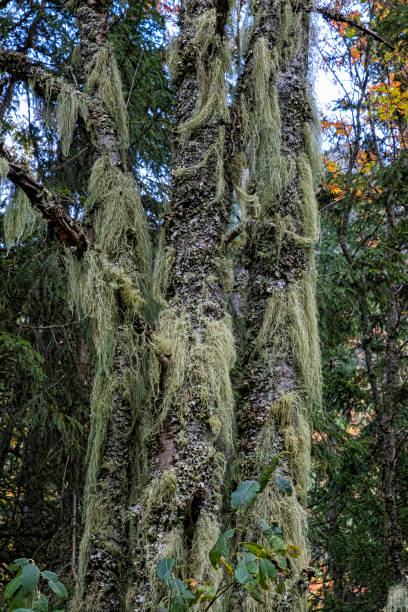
(333, 15)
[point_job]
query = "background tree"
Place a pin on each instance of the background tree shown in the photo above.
(360, 451)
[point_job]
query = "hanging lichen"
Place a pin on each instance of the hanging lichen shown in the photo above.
(216, 151)
(291, 421)
(19, 218)
(213, 357)
(119, 221)
(397, 600)
(211, 103)
(111, 286)
(260, 122)
(311, 132)
(162, 268)
(289, 36)
(4, 168)
(105, 81)
(286, 511)
(305, 337)
(69, 103)
(308, 204)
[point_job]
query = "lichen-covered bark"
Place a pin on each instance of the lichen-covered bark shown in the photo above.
(273, 293)
(110, 285)
(92, 19)
(190, 441)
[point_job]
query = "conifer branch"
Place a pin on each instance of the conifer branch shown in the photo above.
(65, 228)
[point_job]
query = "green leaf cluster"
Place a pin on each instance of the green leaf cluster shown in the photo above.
(25, 590)
(258, 567)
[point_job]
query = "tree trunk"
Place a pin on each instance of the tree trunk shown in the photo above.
(274, 289)
(192, 430)
(110, 283)
(388, 416)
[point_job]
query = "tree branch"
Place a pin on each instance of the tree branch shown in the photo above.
(333, 15)
(65, 228)
(21, 68)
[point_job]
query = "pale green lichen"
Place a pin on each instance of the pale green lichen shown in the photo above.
(70, 103)
(211, 105)
(273, 320)
(104, 80)
(216, 151)
(305, 338)
(397, 600)
(292, 423)
(162, 268)
(76, 57)
(291, 516)
(19, 218)
(310, 225)
(260, 120)
(311, 133)
(4, 168)
(110, 285)
(120, 224)
(290, 30)
(205, 536)
(97, 521)
(207, 359)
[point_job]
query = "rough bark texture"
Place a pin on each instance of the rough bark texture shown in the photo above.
(191, 438)
(105, 545)
(163, 454)
(388, 416)
(273, 292)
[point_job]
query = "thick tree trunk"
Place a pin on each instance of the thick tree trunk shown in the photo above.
(274, 290)
(191, 435)
(117, 229)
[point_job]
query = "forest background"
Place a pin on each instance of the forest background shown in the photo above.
(358, 497)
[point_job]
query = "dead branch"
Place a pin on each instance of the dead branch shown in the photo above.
(65, 228)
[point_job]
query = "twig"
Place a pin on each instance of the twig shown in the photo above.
(133, 79)
(225, 588)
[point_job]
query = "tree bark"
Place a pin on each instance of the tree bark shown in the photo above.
(273, 293)
(388, 416)
(166, 442)
(190, 442)
(104, 551)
